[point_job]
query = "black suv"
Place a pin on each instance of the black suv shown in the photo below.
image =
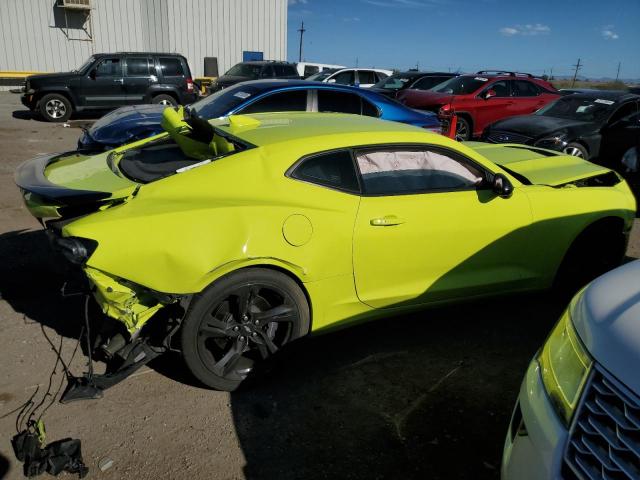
(109, 80)
(243, 71)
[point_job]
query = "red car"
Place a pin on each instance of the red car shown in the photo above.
(482, 99)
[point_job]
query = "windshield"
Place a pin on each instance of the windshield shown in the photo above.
(461, 85)
(249, 70)
(583, 109)
(86, 64)
(394, 82)
(219, 104)
(320, 76)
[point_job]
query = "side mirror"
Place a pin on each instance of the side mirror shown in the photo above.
(489, 94)
(331, 80)
(501, 186)
(92, 74)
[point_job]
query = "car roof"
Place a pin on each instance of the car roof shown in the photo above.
(164, 54)
(413, 73)
(267, 62)
(308, 128)
(614, 95)
(270, 84)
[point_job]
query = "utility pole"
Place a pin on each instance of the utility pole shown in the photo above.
(301, 30)
(575, 74)
(551, 74)
(618, 72)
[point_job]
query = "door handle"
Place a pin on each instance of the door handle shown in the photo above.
(119, 80)
(386, 221)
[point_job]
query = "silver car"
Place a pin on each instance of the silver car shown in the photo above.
(578, 413)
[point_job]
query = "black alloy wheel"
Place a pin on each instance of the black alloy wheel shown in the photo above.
(242, 319)
(463, 130)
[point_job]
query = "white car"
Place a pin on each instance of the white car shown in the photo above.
(306, 69)
(359, 77)
(578, 413)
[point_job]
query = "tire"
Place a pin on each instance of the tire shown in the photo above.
(598, 249)
(222, 340)
(576, 150)
(55, 107)
(164, 99)
(463, 129)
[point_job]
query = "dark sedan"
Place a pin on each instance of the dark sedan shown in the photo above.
(391, 85)
(127, 124)
(600, 126)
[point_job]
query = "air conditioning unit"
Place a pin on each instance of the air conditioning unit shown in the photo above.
(75, 4)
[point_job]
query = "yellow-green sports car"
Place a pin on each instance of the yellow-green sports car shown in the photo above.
(261, 229)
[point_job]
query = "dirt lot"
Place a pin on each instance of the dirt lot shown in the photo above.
(421, 396)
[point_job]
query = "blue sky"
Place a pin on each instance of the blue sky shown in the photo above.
(525, 35)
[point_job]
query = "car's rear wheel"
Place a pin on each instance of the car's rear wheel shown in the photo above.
(463, 129)
(576, 150)
(240, 320)
(55, 107)
(163, 99)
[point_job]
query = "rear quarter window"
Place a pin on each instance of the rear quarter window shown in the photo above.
(171, 67)
(332, 169)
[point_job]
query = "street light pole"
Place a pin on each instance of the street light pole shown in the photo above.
(301, 30)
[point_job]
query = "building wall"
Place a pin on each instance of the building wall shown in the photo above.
(36, 35)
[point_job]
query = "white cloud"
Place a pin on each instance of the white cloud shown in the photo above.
(530, 29)
(608, 33)
(297, 2)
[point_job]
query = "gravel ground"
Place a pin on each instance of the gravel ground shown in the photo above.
(427, 395)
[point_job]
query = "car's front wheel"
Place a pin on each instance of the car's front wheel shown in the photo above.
(463, 129)
(576, 150)
(240, 320)
(55, 107)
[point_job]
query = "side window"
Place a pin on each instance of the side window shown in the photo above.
(138, 66)
(396, 172)
(293, 101)
(522, 88)
(109, 67)
(339, 102)
(425, 83)
(366, 77)
(267, 72)
(310, 70)
(333, 169)
(624, 112)
(171, 67)
(501, 88)
(344, 78)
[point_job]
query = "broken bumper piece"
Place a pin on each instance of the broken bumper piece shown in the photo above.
(131, 304)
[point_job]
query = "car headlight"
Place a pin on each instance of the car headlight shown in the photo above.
(76, 250)
(554, 142)
(564, 366)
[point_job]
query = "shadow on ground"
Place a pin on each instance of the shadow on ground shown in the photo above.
(35, 116)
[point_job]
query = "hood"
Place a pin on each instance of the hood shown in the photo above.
(424, 98)
(538, 166)
(126, 123)
(607, 318)
(51, 76)
(539, 125)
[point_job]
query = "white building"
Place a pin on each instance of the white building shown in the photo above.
(59, 35)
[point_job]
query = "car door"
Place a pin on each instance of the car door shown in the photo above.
(430, 229)
(138, 76)
(366, 78)
(345, 77)
(105, 84)
(489, 109)
(621, 132)
(527, 98)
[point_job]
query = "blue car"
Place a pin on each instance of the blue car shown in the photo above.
(135, 122)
